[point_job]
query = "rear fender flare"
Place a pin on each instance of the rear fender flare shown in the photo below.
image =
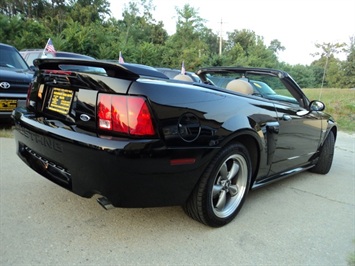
(254, 144)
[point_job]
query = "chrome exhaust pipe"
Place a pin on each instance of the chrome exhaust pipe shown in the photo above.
(105, 203)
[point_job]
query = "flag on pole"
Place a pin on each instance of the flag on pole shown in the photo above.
(49, 47)
(120, 59)
(183, 68)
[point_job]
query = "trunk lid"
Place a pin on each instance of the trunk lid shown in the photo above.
(67, 90)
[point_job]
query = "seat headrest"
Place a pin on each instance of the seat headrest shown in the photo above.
(239, 85)
(183, 77)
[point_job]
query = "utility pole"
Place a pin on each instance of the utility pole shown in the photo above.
(220, 39)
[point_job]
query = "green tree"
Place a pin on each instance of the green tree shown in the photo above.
(148, 54)
(348, 67)
(110, 40)
(248, 49)
(82, 39)
(327, 52)
(186, 44)
(89, 11)
(276, 46)
(25, 8)
(261, 56)
(245, 39)
(211, 39)
(33, 35)
(138, 29)
(304, 75)
(31, 9)
(8, 25)
(56, 17)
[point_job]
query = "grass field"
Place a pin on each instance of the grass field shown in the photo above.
(6, 133)
(340, 103)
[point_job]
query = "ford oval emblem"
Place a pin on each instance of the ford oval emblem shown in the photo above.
(5, 85)
(84, 117)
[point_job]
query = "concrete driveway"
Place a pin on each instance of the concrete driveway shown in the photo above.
(307, 219)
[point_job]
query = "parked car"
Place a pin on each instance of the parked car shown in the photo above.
(31, 54)
(15, 77)
(143, 141)
(173, 73)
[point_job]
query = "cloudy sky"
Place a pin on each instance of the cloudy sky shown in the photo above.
(297, 24)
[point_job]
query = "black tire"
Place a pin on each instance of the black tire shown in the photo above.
(326, 155)
(222, 189)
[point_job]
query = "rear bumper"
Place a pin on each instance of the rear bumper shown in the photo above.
(129, 173)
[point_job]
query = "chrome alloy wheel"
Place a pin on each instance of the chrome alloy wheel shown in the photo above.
(229, 185)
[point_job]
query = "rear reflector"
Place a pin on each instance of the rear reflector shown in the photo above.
(124, 114)
(182, 161)
(29, 94)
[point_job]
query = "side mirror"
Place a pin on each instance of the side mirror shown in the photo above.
(313, 106)
(316, 106)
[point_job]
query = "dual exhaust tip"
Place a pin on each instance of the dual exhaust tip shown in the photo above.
(105, 203)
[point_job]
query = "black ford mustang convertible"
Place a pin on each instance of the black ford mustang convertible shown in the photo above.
(139, 139)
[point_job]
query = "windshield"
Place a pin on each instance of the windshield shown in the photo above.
(11, 59)
(261, 88)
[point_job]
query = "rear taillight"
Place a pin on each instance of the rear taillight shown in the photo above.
(124, 114)
(29, 94)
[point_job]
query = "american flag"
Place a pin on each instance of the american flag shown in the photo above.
(49, 47)
(183, 68)
(120, 59)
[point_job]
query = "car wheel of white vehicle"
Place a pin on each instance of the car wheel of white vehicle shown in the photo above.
(222, 189)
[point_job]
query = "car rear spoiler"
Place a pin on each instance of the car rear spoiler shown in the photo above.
(111, 69)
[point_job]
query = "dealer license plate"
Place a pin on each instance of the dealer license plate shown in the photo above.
(60, 100)
(7, 105)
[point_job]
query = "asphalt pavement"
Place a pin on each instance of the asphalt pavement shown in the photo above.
(307, 219)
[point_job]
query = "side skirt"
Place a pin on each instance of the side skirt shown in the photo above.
(276, 177)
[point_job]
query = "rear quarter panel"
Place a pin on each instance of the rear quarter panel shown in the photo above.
(222, 116)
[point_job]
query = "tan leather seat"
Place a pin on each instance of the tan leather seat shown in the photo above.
(183, 77)
(239, 85)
